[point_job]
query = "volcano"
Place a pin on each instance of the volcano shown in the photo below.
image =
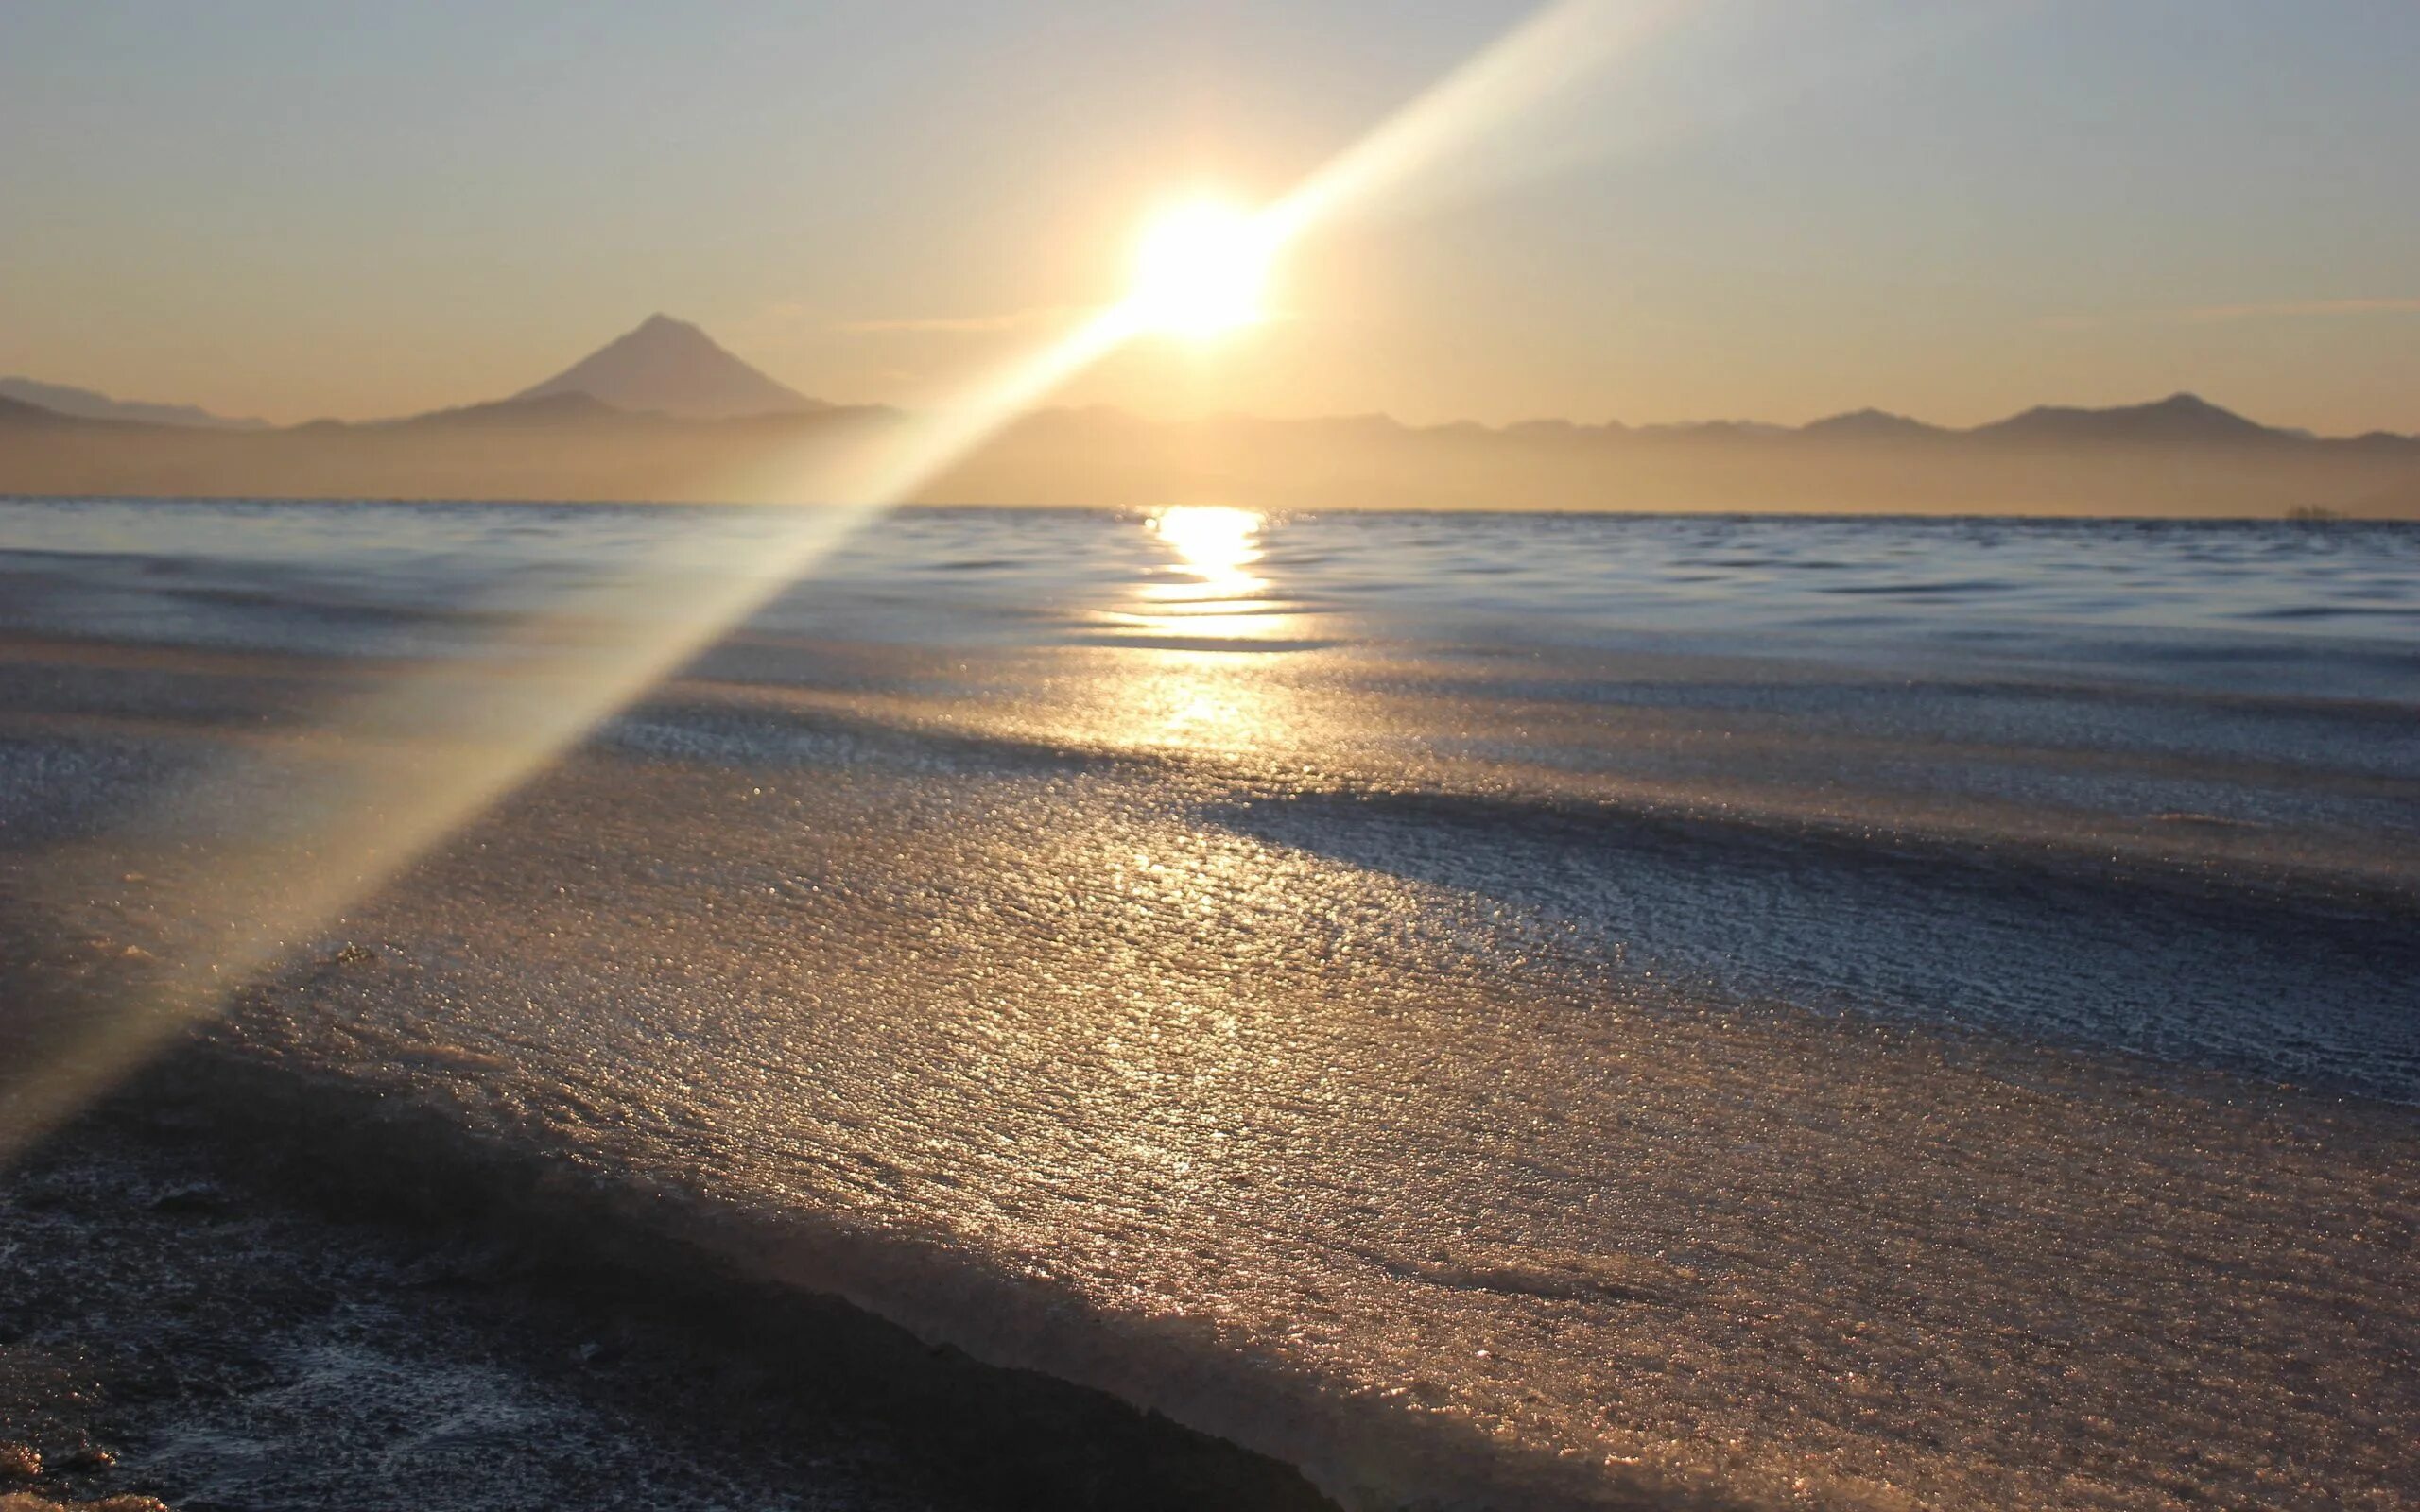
(671, 366)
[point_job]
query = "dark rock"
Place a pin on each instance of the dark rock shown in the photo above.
(199, 1199)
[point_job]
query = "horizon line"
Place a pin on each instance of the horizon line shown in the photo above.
(822, 407)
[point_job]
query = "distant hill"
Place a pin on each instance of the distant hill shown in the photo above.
(570, 408)
(16, 414)
(2180, 455)
(88, 404)
(2178, 419)
(1871, 425)
(671, 366)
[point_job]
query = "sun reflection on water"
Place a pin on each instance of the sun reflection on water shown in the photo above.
(1183, 683)
(1212, 595)
(1216, 545)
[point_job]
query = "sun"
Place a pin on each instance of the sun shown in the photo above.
(1200, 267)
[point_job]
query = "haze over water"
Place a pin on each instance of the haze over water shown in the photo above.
(1788, 1010)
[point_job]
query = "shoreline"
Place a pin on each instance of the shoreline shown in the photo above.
(2298, 515)
(1487, 1074)
(514, 1286)
(591, 1295)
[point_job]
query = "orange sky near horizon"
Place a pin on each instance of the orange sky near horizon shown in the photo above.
(1763, 211)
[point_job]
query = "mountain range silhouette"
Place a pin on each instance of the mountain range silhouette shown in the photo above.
(665, 413)
(91, 404)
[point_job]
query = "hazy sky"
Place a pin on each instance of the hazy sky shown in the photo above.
(1777, 209)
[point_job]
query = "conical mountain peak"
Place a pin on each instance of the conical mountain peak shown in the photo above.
(671, 367)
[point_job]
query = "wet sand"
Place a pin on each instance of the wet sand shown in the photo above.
(226, 1292)
(1301, 1160)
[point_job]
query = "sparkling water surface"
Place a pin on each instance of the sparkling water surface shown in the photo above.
(2328, 607)
(1536, 1010)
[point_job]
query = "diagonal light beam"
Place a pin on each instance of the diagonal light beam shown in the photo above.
(390, 775)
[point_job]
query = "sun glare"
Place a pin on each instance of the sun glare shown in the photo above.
(1215, 543)
(434, 749)
(1200, 267)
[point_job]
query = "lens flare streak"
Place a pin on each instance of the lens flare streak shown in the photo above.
(386, 777)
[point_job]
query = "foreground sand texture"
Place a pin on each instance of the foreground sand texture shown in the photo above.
(198, 1308)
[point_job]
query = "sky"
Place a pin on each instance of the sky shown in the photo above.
(1766, 209)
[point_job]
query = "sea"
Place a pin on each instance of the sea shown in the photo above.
(1492, 1009)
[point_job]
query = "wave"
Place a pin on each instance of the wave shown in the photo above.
(1039, 1401)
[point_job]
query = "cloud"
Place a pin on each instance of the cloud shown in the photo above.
(2293, 309)
(1014, 321)
(2226, 314)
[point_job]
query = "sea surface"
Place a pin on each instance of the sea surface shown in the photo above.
(1508, 1009)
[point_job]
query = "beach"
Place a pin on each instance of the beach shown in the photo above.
(1515, 1011)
